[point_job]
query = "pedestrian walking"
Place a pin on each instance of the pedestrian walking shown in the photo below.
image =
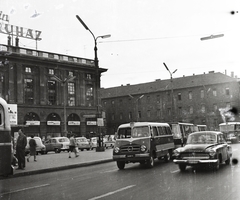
(73, 146)
(20, 149)
(32, 145)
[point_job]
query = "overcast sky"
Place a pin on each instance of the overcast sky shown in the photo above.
(144, 34)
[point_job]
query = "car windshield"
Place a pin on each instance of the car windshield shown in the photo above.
(202, 138)
(82, 139)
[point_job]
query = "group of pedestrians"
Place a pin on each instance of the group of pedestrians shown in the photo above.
(20, 149)
(22, 142)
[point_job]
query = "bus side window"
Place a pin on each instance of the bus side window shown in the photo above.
(164, 130)
(168, 130)
(160, 131)
(155, 132)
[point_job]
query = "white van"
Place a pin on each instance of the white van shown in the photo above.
(143, 142)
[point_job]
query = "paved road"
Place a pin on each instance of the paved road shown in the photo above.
(105, 181)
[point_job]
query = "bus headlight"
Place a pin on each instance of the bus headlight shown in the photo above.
(143, 148)
(116, 149)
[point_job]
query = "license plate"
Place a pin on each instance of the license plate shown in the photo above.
(192, 161)
(129, 156)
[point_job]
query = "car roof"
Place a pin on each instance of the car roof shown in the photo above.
(206, 132)
(135, 124)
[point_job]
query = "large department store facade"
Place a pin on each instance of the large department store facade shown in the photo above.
(36, 82)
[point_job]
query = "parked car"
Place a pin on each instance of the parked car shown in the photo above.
(203, 148)
(41, 148)
(83, 143)
(93, 142)
(57, 144)
(109, 141)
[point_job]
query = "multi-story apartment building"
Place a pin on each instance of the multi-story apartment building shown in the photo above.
(54, 93)
(197, 99)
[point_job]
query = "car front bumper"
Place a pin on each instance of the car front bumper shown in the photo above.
(194, 161)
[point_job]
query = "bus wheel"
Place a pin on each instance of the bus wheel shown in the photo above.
(182, 167)
(150, 162)
(120, 165)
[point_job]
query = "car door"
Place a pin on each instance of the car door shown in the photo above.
(223, 147)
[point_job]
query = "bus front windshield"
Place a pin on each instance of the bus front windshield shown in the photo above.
(137, 132)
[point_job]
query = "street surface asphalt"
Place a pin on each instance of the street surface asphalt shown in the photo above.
(60, 161)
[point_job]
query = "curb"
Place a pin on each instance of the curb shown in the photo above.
(54, 169)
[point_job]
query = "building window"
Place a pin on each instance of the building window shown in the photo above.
(89, 95)
(180, 111)
(214, 92)
(191, 110)
(89, 76)
(71, 94)
(227, 91)
(139, 115)
(190, 95)
(113, 102)
(28, 90)
(215, 108)
(148, 113)
(202, 94)
(51, 92)
(70, 73)
(169, 111)
(148, 99)
(179, 96)
(130, 115)
(51, 71)
(28, 69)
(158, 98)
(113, 116)
(203, 109)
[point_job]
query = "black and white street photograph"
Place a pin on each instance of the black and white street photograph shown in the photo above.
(119, 99)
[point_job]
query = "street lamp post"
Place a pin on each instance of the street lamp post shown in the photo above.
(171, 73)
(136, 101)
(63, 82)
(96, 67)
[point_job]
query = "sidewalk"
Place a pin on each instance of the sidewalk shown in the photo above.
(60, 161)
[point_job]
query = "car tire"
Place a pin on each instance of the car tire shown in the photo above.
(216, 165)
(227, 162)
(121, 165)
(57, 151)
(150, 162)
(182, 167)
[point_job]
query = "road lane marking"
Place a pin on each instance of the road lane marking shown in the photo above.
(113, 192)
(113, 170)
(24, 189)
(175, 171)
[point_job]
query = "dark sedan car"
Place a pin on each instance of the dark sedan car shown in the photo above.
(203, 148)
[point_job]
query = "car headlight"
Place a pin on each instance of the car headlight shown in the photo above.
(176, 153)
(143, 148)
(211, 152)
(116, 149)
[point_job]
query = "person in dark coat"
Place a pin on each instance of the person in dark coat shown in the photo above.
(20, 149)
(32, 145)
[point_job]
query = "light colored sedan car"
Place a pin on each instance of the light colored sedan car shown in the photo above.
(83, 143)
